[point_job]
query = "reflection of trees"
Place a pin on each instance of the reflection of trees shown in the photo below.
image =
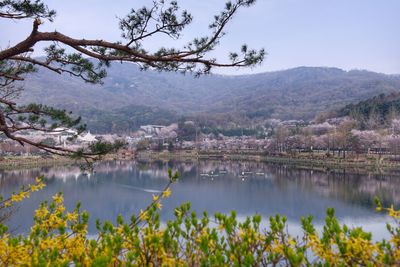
(342, 185)
(122, 187)
(348, 187)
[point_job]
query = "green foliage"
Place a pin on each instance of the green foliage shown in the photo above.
(19, 9)
(260, 113)
(49, 142)
(237, 131)
(102, 148)
(76, 65)
(143, 145)
(59, 238)
(186, 130)
(45, 115)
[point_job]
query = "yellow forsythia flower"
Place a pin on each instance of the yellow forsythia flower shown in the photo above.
(155, 198)
(158, 205)
(58, 199)
(143, 215)
(166, 193)
(18, 197)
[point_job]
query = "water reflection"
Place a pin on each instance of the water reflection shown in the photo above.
(247, 187)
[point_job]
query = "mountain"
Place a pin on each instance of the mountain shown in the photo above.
(129, 94)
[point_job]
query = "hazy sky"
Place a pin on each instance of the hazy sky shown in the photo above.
(349, 34)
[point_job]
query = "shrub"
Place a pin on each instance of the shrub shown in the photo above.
(60, 238)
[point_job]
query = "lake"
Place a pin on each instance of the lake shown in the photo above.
(125, 187)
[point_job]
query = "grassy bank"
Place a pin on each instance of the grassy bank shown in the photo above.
(27, 162)
(149, 155)
(33, 162)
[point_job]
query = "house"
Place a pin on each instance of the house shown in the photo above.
(87, 138)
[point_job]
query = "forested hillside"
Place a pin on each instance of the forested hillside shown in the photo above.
(373, 112)
(130, 97)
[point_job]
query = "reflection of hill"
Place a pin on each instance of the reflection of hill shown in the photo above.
(351, 188)
(125, 187)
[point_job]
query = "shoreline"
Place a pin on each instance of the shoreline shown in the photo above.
(371, 164)
(368, 165)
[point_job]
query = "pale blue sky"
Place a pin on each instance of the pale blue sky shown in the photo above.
(349, 34)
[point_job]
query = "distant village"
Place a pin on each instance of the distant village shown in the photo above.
(338, 135)
(148, 137)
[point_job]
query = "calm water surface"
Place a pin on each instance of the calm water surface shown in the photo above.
(247, 187)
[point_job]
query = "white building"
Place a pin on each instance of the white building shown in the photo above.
(152, 129)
